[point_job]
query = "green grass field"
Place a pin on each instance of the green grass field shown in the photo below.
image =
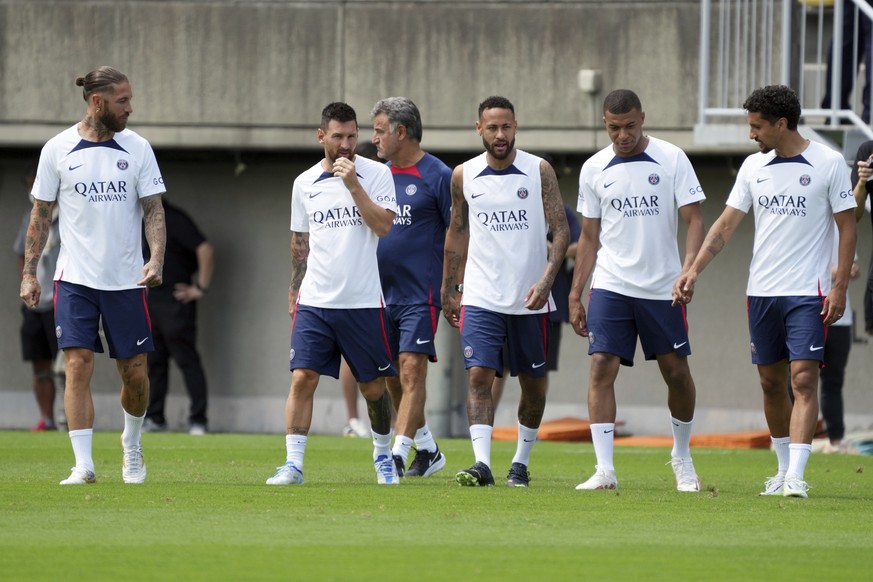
(206, 514)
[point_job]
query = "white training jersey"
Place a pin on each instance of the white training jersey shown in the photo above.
(97, 187)
(508, 250)
(342, 271)
(637, 200)
(794, 201)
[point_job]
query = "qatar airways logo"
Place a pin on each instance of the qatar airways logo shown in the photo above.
(504, 220)
(634, 206)
(783, 204)
(404, 215)
(338, 217)
(102, 191)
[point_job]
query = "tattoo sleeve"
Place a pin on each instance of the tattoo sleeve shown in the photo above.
(553, 206)
(37, 235)
(155, 227)
(299, 258)
(457, 236)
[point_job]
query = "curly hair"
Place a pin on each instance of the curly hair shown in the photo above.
(774, 102)
(495, 102)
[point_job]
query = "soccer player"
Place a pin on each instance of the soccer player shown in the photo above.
(105, 181)
(798, 190)
(340, 207)
(503, 203)
(411, 269)
(631, 194)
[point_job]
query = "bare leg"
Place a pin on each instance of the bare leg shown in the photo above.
(78, 405)
(410, 404)
(777, 404)
(298, 407)
(44, 389)
(681, 393)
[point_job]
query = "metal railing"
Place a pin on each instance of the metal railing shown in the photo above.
(742, 40)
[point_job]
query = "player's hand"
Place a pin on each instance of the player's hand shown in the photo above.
(537, 296)
(834, 306)
(451, 307)
(864, 170)
(344, 168)
(578, 319)
(683, 289)
(152, 274)
(30, 291)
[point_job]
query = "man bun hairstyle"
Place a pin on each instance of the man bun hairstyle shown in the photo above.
(100, 80)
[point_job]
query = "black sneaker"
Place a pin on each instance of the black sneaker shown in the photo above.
(398, 464)
(426, 463)
(479, 475)
(518, 476)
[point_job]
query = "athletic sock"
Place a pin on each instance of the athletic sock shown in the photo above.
(295, 448)
(424, 440)
(81, 440)
(132, 434)
(780, 447)
(402, 444)
(381, 444)
(681, 438)
(603, 435)
(527, 437)
(480, 435)
(798, 455)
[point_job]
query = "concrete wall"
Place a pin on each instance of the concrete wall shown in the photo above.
(229, 92)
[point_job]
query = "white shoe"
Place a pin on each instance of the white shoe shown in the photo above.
(357, 428)
(602, 479)
(687, 480)
(795, 487)
(386, 470)
(133, 469)
(79, 476)
(197, 429)
(287, 474)
(773, 485)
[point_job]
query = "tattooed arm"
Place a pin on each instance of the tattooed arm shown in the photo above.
(553, 206)
(455, 253)
(718, 236)
(156, 236)
(34, 243)
(299, 260)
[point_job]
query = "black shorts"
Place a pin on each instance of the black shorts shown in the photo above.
(38, 339)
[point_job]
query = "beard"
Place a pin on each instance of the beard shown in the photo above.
(114, 123)
(510, 147)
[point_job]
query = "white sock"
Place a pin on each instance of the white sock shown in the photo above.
(681, 438)
(402, 444)
(295, 448)
(132, 434)
(81, 440)
(603, 434)
(798, 454)
(381, 444)
(424, 440)
(780, 447)
(480, 435)
(527, 437)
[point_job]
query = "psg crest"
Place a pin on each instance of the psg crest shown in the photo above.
(805, 180)
(654, 179)
(522, 193)
(411, 189)
(122, 164)
(468, 352)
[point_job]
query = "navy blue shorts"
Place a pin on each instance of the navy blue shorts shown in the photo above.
(320, 336)
(412, 328)
(124, 314)
(526, 338)
(615, 321)
(786, 328)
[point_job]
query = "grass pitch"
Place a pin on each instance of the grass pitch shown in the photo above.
(205, 513)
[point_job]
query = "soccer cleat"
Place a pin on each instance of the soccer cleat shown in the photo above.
(287, 474)
(133, 469)
(426, 463)
(356, 428)
(197, 429)
(44, 425)
(479, 475)
(602, 479)
(795, 487)
(79, 476)
(398, 465)
(386, 470)
(773, 485)
(518, 476)
(686, 478)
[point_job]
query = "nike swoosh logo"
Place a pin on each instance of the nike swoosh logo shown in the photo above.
(476, 439)
(71, 168)
(477, 195)
(812, 348)
(540, 365)
(677, 346)
(528, 440)
(314, 195)
(382, 369)
(609, 431)
(142, 341)
(762, 180)
(610, 184)
(420, 342)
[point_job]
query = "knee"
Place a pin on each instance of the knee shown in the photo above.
(373, 391)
